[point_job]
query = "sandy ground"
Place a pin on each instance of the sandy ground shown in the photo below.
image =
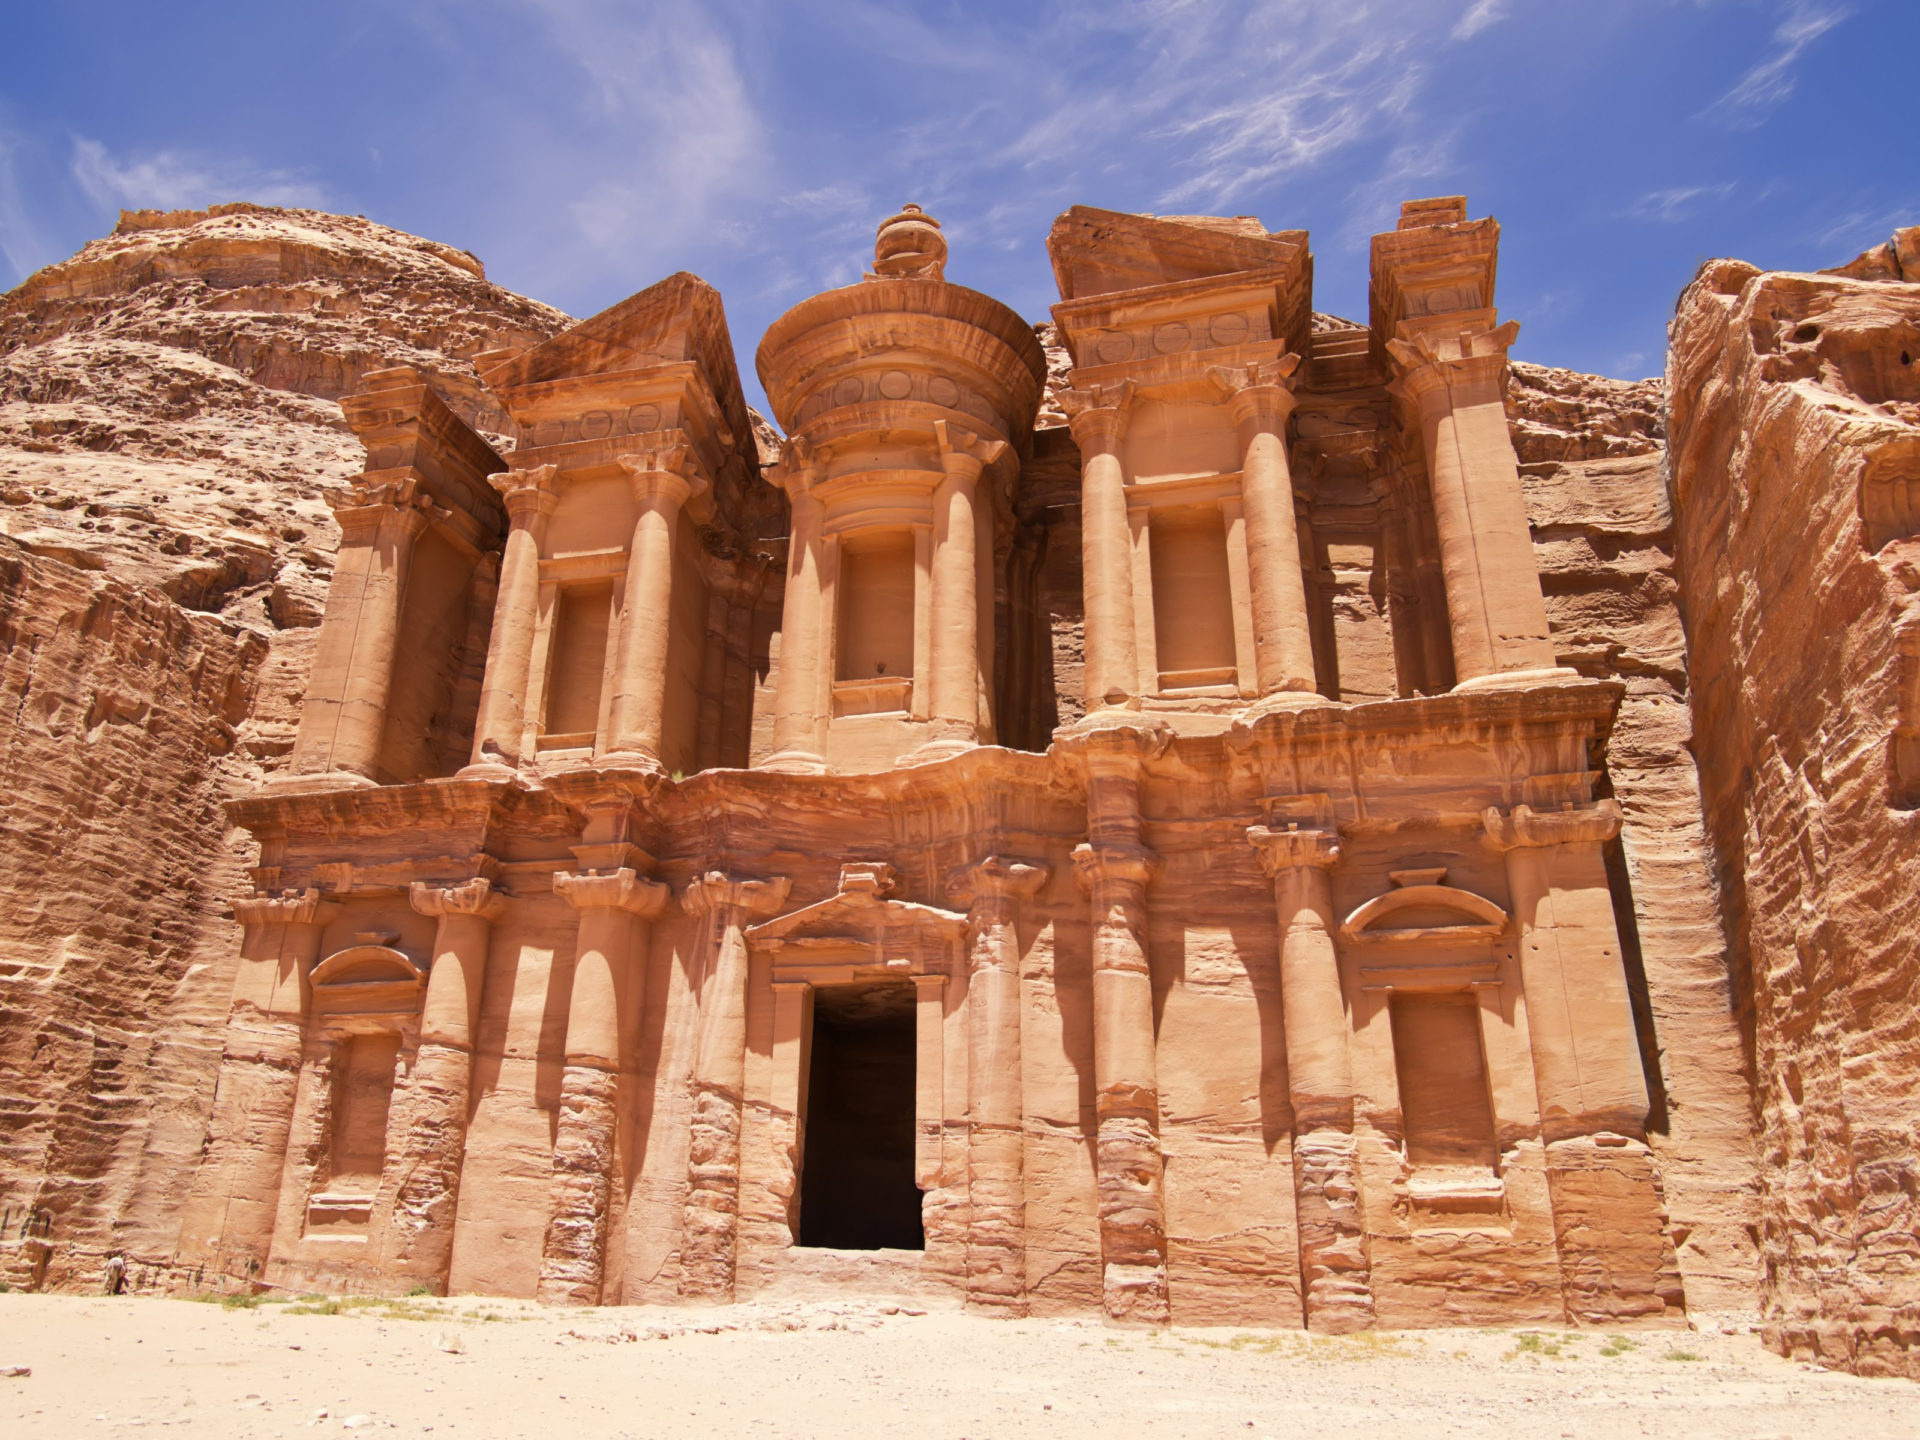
(485, 1368)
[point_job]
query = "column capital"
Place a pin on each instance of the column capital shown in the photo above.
(1260, 392)
(1283, 850)
(998, 877)
(527, 493)
(1110, 747)
(1427, 362)
(1524, 827)
(716, 892)
(306, 907)
(365, 506)
(963, 454)
(472, 897)
(1098, 414)
(618, 890)
(666, 473)
(1110, 861)
(796, 469)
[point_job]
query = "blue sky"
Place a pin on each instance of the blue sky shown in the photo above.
(585, 148)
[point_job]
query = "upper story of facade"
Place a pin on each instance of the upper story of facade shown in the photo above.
(1201, 502)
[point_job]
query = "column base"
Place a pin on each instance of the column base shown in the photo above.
(1521, 679)
(317, 782)
(794, 762)
(1289, 702)
(643, 761)
(493, 770)
(934, 751)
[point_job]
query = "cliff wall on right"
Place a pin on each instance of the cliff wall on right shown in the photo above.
(1794, 453)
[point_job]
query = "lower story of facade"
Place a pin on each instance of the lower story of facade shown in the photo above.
(1314, 1018)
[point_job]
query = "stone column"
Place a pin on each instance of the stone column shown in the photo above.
(1495, 611)
(662, 479)
(709, 1236)
(1099, 418)
(1113, 868)
(574, 1257)
(343, 720)
(434, 1143)
(1260, 398)
(500, 730)
(1609, 1209)
(996, 1107)
(1336, 1285)
(797, 718)
(227, 1223)
(955, 708)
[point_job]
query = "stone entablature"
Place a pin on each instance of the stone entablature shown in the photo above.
(1250, 999)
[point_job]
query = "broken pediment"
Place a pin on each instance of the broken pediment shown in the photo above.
(1099, 252)
(861, 932)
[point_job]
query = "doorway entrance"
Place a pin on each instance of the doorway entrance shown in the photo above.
(856, 1179)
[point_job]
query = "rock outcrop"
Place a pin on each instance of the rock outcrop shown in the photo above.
(168, 422)
(1593, 459)
(1795, 423)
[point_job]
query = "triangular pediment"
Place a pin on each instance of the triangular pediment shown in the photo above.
(861, 929)
(680, 318)
(1101, 252)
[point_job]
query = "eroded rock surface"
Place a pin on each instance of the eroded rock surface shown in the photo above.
(1796, 454)
(168, 422)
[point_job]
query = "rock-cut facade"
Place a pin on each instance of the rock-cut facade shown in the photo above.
(1099, 826)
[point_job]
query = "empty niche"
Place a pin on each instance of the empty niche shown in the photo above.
(1442, 1071)
(1192, 600)
(363, 1092)
(579, 661)
(873, 661)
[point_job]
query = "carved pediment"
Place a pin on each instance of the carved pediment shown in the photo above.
(1422, 910)
(367, 980)
(859, 933)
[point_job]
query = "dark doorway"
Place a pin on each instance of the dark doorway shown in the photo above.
(856, 1179)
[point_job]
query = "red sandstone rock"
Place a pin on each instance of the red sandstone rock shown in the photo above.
(1796, 451)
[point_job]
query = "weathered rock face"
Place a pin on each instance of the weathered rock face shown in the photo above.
(1796, 454)
(167, 425)
(1593, 459)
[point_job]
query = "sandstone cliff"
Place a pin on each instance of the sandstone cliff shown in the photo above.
(168, 421)
(1593, 459)
(1796, 466)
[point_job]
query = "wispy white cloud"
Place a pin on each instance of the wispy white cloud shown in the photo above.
(1677, 203)
(23, 243)
(670, 133)
(181, 179)
(1479, 16)
(1767, 84)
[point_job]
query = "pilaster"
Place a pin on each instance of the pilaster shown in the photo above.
(499, 732)
(1098, 417)
(996, 1277)
(710, 1233)
(573, 1258)
(1336, 1280)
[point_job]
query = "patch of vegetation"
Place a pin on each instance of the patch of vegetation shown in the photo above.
(1617, 1345)
(1682, 1355)
(1539, 1345)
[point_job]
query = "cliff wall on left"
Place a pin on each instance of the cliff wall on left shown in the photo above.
(168, 421)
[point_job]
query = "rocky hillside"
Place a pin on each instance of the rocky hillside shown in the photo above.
(168, 421)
